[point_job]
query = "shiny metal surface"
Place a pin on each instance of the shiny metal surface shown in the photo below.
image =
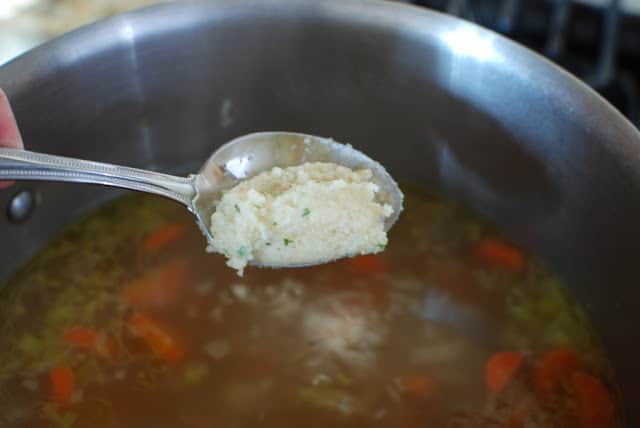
(237, 160)
(21, 206)
(28, 165)
(435, 99)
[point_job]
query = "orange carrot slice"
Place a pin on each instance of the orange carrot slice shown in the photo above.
(85, 338)
(61, 378)
(158, 340)
(555, 366)
(501, 368)
(496, 253)
(594, 405)
(369, 263)
(163, 237)
(81, 337)
(92, 341)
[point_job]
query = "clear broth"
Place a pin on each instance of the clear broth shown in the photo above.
(125, 321)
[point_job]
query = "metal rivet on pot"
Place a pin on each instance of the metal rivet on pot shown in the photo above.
(21, 206)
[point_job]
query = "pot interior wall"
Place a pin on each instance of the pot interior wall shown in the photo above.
(436, 100)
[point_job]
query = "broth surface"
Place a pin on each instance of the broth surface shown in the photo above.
(125, 321)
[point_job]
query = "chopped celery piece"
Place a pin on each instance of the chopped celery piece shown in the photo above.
(329, 398)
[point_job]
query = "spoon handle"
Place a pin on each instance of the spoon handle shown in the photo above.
(26, 165)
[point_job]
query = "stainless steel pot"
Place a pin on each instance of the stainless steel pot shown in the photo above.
(436, 99)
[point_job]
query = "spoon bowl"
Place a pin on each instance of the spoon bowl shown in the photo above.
(237, 160)
(249, 155)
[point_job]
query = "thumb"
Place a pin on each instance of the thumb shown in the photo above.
(9, 133)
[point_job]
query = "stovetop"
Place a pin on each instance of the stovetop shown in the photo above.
(628, 6)
(597, 40)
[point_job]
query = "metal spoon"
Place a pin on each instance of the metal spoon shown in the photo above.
(237, 160)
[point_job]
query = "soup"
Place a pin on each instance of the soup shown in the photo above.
(125, 321)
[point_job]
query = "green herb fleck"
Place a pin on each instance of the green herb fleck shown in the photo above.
(268, 244)
(30, 345)
(328, 397)
(243, 252)
(275, 223)
(236, 207)
(226, 253)
(258, 206)
(381, 247)
(287, 241)
(306, 212)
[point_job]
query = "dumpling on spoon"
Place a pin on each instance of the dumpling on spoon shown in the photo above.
(301, 215)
